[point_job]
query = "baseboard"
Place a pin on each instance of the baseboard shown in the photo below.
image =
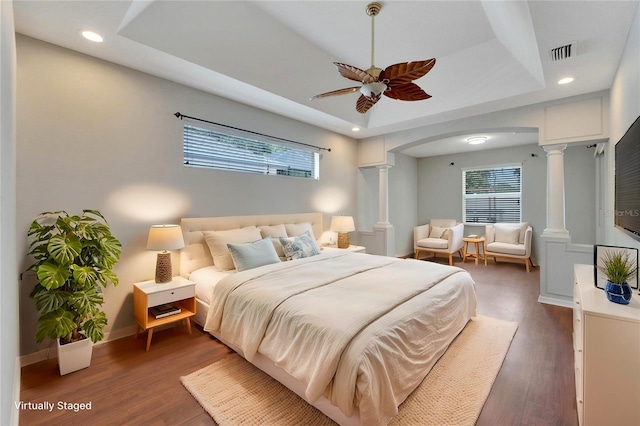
(557, 302)
(118, 334)
(34, 357)
(51, 352)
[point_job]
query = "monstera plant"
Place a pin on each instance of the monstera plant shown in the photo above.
(74, 259)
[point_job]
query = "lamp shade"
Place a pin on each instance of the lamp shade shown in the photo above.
(165, 237)
(373, 89)
(342, 224)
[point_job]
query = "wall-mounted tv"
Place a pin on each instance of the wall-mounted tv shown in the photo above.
(627, 184)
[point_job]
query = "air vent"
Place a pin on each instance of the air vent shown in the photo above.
(563, 52)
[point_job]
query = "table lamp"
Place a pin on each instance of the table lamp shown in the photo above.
(342, 225)
(164, 238)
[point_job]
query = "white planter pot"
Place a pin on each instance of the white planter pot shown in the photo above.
(74, 356)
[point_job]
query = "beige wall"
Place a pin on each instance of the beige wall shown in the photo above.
(92, 134)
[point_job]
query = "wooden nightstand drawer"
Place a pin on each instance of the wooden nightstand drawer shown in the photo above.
(170, 295)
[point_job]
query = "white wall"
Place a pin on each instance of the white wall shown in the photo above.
(625, 108)
(440, 188)
(9, 368)
(92, 134)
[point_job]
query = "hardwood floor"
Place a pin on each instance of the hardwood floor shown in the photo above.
(126, 385)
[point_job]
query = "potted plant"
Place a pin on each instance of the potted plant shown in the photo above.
(74, 259)
(618, 267)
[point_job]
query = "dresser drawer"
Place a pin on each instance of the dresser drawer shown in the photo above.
(172, 295)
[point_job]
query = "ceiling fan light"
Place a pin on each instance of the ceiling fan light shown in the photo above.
(374, 89)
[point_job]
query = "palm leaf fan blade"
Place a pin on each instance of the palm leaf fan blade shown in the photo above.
(407, 92)
(337, 92)
(364, 103)
(405, 72)
(354, 73)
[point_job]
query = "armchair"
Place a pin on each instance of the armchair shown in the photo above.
(442, 236)
(509, 240)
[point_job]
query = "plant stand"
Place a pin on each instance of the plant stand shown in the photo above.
(74, 356)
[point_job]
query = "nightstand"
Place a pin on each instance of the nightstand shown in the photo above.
(355, 249)
(180, 292)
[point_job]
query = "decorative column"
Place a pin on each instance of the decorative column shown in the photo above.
(558, 254)
(555, 191)
(383, 196)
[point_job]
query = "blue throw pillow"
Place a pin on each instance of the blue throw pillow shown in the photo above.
(251, 255)
(299, 247)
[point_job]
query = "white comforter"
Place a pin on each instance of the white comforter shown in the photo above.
(361, 330)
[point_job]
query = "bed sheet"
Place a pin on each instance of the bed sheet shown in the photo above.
(206, 279)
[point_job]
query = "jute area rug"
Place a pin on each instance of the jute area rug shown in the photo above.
(234, 392)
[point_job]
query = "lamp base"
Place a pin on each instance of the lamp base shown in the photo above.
(343, 240)
(163, 268)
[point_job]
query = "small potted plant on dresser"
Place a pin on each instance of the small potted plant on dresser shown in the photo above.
(618, 267)
(74, 259)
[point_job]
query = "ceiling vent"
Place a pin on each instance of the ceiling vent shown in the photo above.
(563, 52)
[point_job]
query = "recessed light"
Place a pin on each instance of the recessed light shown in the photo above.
(90, 35)
(476, 140)
(355, 129)
(566, 80)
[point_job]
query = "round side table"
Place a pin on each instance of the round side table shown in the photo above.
(478, 242)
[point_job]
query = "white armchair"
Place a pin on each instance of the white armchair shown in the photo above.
(439, 236)
(509, 240)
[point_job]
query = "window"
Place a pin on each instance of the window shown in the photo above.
(220, 150)
(492, 195)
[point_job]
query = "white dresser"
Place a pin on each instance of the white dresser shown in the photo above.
(606, 344)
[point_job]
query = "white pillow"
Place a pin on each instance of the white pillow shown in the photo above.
(300, 247)
(507, 234)
(295, 229)
(218, 240)
(275, 232)
(251, 255)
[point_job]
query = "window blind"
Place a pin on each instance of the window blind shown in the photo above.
(214, 149)
(492, 195)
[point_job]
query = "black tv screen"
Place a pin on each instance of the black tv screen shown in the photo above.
(627, 182)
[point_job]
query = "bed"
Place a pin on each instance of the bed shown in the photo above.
(352, 334)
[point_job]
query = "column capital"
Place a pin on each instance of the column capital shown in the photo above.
(550, 148)
(384, 166)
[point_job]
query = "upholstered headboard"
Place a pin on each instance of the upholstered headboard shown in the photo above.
(196, 254)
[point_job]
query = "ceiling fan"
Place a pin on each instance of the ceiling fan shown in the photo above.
(395, 81)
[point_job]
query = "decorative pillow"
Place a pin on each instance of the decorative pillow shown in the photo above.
(507, 234)
(299, 247)
(218, 240)
(251, 255)
(275, 232)
(437, 232)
